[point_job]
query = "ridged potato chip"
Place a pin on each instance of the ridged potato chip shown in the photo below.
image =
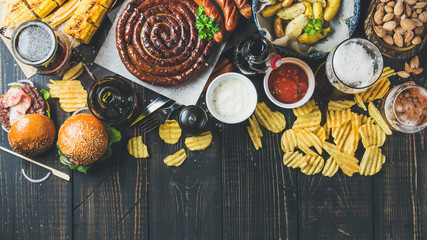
(376, 115)
(255, 132)
(340, 105)
(294, 160)
(331, 167)
(372, 161)
(176, 159)
(73, 72)
(309, 120)
(377, 91)
(308, 139)
(200, 142)
(314, 165)
(359, 101)
(170, 131)
(372, 135)
(337, 118)
(273, 121)
(289, 140)
(320, 133)
(347, 163)
(72, 95)
(304, 109)
(137, 148)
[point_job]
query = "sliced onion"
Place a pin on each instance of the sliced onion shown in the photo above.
(35, 180)
(27, 81)
(65, 160)
(15, 83)
(4, 128)
(79, 110)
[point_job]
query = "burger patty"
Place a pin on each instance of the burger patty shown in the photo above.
(38, 105)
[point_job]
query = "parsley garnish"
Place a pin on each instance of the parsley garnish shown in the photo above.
(314, 26)
(207, 26)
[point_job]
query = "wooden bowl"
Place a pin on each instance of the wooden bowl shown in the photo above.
(387, 49)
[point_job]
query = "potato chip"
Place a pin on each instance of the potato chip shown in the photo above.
(170, 131)
(377, 91)
(308, 139)
(331, 167)
(366, 119)
(255, 132)
(376, 115)
(310, 120)
(359, 101)
(372, 135)
(294, 160)
(372, 161)
(72, 95)
(137, 148)
(340, 105)
(347, 163)
(73, 72)
(337, 118)
(341, 135)
(320, 133)
(289, 140)
(175, 159)
(304, 109)
(314, 165)
(273, 121)
(200, 142)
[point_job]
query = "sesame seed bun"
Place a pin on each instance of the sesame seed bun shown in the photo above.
(83, 139)
(32, 134)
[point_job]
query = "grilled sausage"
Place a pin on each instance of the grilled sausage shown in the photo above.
(231, 14)
(213, 12)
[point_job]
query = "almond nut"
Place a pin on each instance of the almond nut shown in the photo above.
(419, 10)
(414, 14)
(403, 74)
(416, 40)
(409, 35)
(411, 2)
(388, 39)
(408, 10)
(378, 17)
(388, 17)
(398, 8)
(380, 31)
(403, 17)
(388, 9)
(391, 3)
(408, 69)
(417, 22)
(419, 30)
(400, 30)
(380, 7)
(415, 62)
(407, 24)
(384, 1)
(390, 26)
(418, 70)
(398, 39)
(420, 4)
(423, 17)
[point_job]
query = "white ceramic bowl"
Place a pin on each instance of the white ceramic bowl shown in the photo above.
(310, 88)
(252, 97)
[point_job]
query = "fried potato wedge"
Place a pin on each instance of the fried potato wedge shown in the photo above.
(296, 25)
(291, 12)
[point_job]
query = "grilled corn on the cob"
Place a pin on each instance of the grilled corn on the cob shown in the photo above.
(79, 28)
(91, 11)
(20, 13)
(42, 7)
(62, 14)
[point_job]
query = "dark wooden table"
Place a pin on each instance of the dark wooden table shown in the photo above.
(228, 191)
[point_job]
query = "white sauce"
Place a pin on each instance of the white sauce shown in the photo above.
(353, 65)
(231, 98)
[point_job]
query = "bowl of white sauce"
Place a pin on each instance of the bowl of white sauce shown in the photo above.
(231, 98)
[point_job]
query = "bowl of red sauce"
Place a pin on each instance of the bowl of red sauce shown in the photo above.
(291, 85)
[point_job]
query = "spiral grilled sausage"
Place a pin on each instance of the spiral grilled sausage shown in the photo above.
(158, 42)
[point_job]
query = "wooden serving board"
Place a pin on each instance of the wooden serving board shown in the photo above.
(387, 50)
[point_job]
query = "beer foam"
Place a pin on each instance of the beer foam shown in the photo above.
(34, 43)
(353, 65)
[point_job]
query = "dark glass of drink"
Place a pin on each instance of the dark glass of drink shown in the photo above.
(34, 43)
(112, 100)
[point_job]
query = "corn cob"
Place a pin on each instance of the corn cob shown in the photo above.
(91, 11)
(20, 13)
(79, 28)
(42, 7)
(60, 2)
(105, 3)
(62, 14)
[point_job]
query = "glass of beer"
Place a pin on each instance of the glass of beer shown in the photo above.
(354, 65)
(405, 108)
(35, 44)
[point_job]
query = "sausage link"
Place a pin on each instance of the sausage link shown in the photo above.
(231, 14)
(244, 8)
(213, 12)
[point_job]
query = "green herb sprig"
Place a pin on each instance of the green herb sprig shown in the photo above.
(207, 26)
(314, 26)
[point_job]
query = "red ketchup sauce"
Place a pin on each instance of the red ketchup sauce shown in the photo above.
(288, 84)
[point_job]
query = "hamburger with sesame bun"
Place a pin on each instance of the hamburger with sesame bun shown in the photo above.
(83, 140)
(32, 134)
